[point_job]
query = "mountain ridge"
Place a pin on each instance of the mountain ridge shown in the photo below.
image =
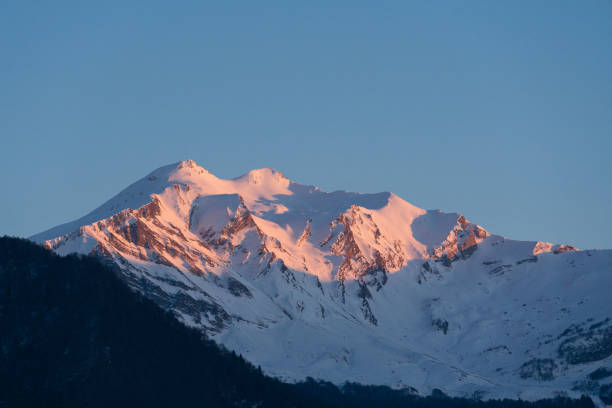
(285, 274)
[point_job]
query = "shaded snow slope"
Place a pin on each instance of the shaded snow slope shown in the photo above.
(356, 287)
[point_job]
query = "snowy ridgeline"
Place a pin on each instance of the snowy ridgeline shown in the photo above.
(357, 287)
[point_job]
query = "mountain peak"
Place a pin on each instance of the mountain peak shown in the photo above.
(191, 167)
(187, 163)
(263, 175)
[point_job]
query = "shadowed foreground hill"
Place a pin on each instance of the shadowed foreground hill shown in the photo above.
(72, 334)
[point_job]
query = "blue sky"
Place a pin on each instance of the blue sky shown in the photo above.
(499, 110)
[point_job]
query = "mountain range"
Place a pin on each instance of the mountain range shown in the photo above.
(364, 288)
(74, 335)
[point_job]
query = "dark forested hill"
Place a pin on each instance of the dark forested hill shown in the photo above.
(72, 334)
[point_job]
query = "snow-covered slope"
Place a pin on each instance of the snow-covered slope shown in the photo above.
(356, 287)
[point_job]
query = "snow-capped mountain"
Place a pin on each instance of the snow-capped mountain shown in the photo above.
(356, 287)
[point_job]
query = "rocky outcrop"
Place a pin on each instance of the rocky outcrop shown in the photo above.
(584, 344)
(460, 243)
(542, 369)
(386, 256)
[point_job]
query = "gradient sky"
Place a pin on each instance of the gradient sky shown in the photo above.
(501, 110)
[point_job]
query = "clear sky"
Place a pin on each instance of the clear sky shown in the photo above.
(501, 110)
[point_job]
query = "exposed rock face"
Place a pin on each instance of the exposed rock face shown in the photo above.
(564, 248)
(461, 242)
(605, 394)
(539, 369)
(385, 256)
(587, 344)
(359, 287)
